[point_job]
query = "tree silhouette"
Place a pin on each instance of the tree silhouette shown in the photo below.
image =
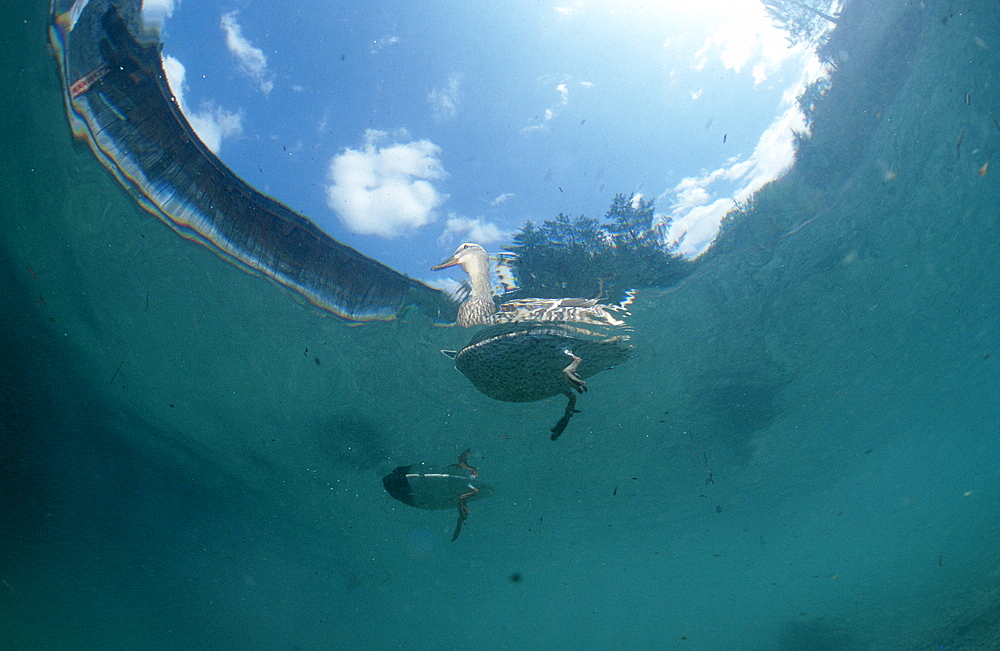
(803, 21)
(810, 98)
(586, 258)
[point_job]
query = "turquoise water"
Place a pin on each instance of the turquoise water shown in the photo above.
(191, 459)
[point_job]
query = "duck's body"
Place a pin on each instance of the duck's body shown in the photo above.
(480, 309)
(526, 363)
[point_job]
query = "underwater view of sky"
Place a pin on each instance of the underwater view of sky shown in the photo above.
(404, 129)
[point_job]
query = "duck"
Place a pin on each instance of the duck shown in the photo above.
(479, 308)
(427, 487)
(527, 362)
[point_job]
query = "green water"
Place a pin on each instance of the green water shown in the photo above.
(191, 459)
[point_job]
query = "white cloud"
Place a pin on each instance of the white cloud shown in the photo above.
(253, 61)
(569, 9)
(563, 89)
(747, 36)
(380, 44)
(444, 101)
(700, 202)
(154, 12)
(212, 123)
(742, 36)
(385, 189)
(472, 230)
(446, 284)
(563, 93)
(503, 198)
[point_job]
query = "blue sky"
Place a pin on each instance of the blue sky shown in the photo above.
(404, 129)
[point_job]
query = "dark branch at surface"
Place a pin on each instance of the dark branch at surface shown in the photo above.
(118, 95)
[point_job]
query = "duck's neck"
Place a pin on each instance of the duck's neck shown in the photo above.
(479, 278)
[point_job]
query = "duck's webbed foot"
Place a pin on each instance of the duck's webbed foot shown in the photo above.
(564, 421)
(463, 509)
(569, 373)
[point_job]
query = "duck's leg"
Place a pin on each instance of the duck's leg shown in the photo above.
(463, 463)
(463, 510)
(569, 373)
(564, 421)
(458, 525)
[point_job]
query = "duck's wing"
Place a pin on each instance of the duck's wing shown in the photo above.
(577, 302)
(569, 310)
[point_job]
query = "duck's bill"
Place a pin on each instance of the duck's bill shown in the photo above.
(450, 262)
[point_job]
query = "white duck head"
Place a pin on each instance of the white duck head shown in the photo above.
(475, 261)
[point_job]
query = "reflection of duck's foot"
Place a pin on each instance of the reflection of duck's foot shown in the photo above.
(569, 373)
(463, 508)
(464, 464)
(564, 421)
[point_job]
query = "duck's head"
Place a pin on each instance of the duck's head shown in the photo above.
(471, 257)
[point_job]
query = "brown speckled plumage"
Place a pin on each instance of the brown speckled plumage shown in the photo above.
(480, 308)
